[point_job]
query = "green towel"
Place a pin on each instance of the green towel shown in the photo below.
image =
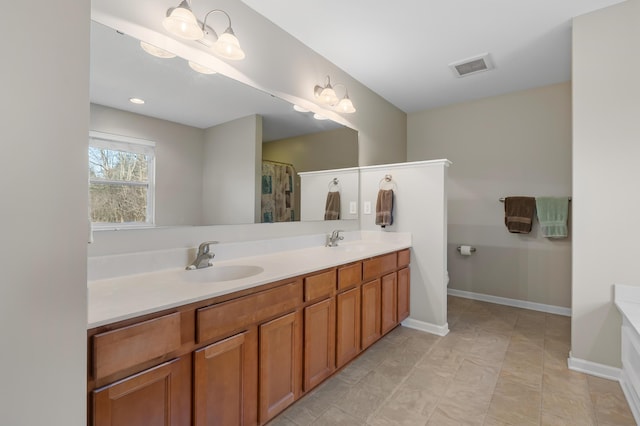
(552, 215)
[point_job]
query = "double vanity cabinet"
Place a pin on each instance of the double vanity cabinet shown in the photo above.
(242, 358)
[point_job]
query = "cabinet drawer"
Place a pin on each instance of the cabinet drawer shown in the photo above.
(127, 347)
(404, 257)
(220, 319)
(349, 275)
(380, 265)
(320, 285)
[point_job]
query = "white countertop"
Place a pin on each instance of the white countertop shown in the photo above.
(115, 299)
(627, 300)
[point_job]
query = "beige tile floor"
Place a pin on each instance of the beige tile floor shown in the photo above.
(497, 366)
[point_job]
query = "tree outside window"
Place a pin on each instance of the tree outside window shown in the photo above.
(120, 181)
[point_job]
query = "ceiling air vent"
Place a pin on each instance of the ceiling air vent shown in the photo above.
(471, 66)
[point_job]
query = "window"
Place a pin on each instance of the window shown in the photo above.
(121, 181)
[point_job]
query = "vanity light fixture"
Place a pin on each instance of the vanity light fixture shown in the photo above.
(201, 68)
(136, 101)
(327, 95)
(180, 21)
(156, 51)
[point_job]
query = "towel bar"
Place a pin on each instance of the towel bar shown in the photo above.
(334, 183)
(387, 179)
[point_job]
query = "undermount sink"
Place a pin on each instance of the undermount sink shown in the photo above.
(222, 273)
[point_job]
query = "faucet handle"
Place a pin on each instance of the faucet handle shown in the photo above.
(204, 247)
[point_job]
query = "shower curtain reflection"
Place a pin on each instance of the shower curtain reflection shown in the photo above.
(278, 194)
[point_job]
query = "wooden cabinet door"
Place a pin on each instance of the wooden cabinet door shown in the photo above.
(348, 326)
(389, 304)
(404, 285)
(280, 364)
(370, 313)
(160, 396)
(319, 342)
(225, 382)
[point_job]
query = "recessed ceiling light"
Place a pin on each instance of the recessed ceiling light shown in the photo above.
(136, 101)
(300, 109)
(156, 51)
(319, 117)
(201, 69)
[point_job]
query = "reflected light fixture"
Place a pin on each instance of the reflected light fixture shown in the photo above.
(319, 117)
(201, 68)
(181, 21)
(327, 95)
(300, 109)
(136, 101)
(156, 51)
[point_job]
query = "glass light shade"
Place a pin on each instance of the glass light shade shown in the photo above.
(328, 96)
(345, 105)
(228, 46)
(201, 69)
(156, 51)
(181, 22)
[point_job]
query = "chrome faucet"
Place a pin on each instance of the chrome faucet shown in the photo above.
(204, 256)
(332, 240)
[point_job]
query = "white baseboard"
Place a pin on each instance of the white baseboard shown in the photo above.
(630, 394)
(440, 330)
(541, 307)
(593, 368)
(611, 373)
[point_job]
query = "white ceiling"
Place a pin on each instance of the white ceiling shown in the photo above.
(401, 50)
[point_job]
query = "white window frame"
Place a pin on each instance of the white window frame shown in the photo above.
(138, 146)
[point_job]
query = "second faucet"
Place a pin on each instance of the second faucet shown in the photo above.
(332, 240)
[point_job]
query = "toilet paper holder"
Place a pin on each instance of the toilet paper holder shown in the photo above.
(473, 249)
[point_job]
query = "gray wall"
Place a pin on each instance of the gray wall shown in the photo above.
(333, 149)
(515, 144)
(606, 151)
(43, 182)
(232, 170)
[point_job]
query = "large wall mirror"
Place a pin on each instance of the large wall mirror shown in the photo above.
(220, 145)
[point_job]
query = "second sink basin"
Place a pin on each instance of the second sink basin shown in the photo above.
(222, 273)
